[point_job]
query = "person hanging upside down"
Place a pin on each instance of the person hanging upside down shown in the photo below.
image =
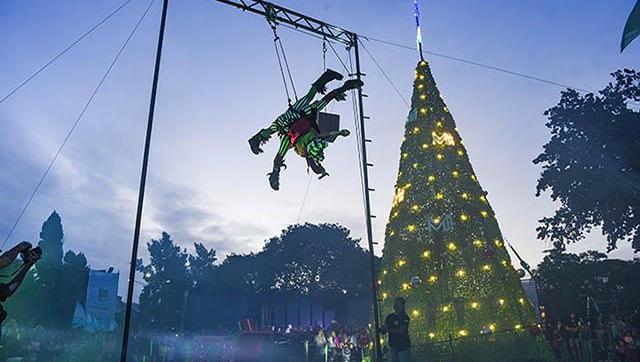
(29, 257)
(298, 126)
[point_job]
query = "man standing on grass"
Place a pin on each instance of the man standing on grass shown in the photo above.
(397, 326)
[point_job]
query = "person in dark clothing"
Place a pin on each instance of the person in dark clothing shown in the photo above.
(397, 327)
(29, 257)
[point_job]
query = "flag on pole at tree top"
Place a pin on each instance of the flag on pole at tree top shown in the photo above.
(631, 28)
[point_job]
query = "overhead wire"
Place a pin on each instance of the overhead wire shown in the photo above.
(75, 124)
(60, 54)
(478, 64)
(385, 74)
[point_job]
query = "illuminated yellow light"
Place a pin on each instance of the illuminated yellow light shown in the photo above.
(423, 97)
(392, 233)
(423, 63)
(426, 254)
(461, 273)
(445, 109)
(384, 272)
(421, 76)
(439, 156)
(446, 308)
(475, 305)
(486, 267)
(411, 228)
(400, 194)
(431, 178)
(498, 243)
(501, 301)
(432, 279)
(384, 295)
(423, 110)
(425, 146)
(379, 282)
(443, 139)
(465, 195)
(415, 207)
(415, 165)
(439, 196)
(402, 262)
(518, 327)
(452, 246)
(473, 177)
(439, 124)
(504, 263)
(431, 335)
(484, 213)
(416, 129)
(405, 286)
(477, 242)
(460, 152)
(420, 86)
(415, 312)
(464, 217)
(405, 155)
(455, 174)
(521, 300)
(463, 332)
(492, 327)
(483, 199)
(436, 220)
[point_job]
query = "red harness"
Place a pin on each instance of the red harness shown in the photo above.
(300, 127)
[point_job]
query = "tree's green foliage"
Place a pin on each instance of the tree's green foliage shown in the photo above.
(305, 260)
(591, 164)
(565, 281)
(443, 248)
(167, 281)
(49, 293)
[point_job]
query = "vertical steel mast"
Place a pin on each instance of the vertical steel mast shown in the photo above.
(143, 183)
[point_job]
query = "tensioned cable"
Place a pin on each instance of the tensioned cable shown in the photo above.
(75, 124)
(78, 40)
(384, 74)
(478, 64)
(304, 199)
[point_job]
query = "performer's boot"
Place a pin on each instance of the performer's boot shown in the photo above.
(274, 175)
(256, 141)
(325, 78)
(339, 93)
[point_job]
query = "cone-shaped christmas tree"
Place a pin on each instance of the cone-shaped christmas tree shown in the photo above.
(443, 251)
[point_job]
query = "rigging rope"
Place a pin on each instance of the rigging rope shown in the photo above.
(276, 41)
(75, 124)
(284, 79)
(75, 42)
(384, 74)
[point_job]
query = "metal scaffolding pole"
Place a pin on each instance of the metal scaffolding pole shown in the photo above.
(143, 183)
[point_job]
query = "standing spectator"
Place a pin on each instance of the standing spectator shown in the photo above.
(586, 335)
(627, 349)
(321, 341)
(573, 336)
(397, 326)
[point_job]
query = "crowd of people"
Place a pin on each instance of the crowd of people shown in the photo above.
(608, 337)
(343, 344)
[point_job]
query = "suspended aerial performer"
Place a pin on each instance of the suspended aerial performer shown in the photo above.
(297, 127)
(29, 257)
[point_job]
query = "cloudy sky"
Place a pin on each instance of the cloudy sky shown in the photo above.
(220, 83)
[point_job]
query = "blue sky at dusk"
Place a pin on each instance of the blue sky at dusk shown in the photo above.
(220, 83)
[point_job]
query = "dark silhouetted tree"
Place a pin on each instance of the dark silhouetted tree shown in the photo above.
(565, 281)
(166, 275)
(591, 164)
